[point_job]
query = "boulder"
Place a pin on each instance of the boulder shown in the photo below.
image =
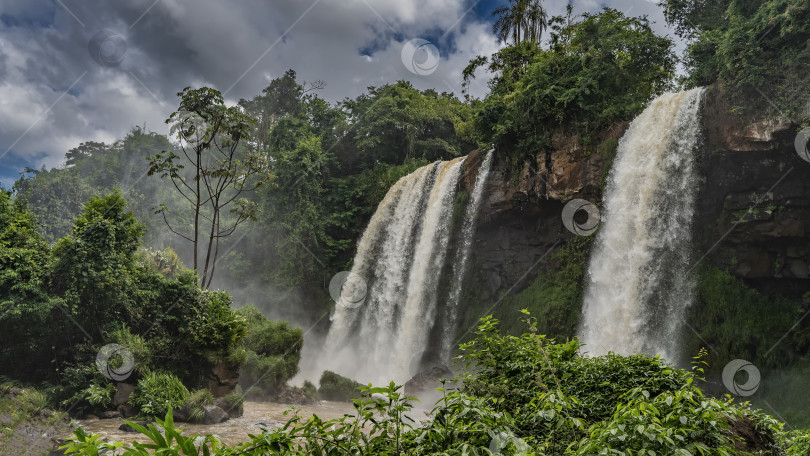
(122, 393)
(126, 410)
(180, 414)
(428, 380)
(223, 379)
(214, 414)
(233, 412)
(109, 414)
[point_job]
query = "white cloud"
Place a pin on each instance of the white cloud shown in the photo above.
(239, 46)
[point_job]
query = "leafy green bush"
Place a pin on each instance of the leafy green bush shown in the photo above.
(194, 405)
(100, 396)
(236, 399)
(758, 50)
(213, 328)
(311, 391)
(521, 395)
(334, 387)
(158, 392)
(740, 322)
(272, 351)
(798, 443)
(140, 349)
(597, 71)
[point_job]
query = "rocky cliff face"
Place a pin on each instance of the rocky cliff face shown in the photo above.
(752, 214)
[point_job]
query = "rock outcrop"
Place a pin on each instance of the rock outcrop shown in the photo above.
(752, 216)
(223, 379)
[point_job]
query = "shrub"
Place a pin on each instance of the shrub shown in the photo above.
(523, 395)
(100, 395)
(194, 405)
(158, 392)
(334, 387)
(740, 322)
(758, 50)
(31, 401)
(212, 327)
(311, 391)
(271, 353)
(236, 399)
(141, 352)
(596, 71)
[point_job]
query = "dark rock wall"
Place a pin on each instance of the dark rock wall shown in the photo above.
(753, 210)
(744, 166)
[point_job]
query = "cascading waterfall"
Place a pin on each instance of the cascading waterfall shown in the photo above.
(462, 254)
(638, 279)
(400, 259)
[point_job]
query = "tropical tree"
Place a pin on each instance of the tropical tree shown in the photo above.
(210, 136)
(520, 20)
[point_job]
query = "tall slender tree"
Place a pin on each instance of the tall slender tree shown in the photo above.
(220, 171)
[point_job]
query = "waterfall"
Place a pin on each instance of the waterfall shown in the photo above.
(462, 254)
(400, 258)
(638, 285)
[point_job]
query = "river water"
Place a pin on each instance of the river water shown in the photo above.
(235, 430)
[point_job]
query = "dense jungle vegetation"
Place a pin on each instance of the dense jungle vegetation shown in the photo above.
(95, 252)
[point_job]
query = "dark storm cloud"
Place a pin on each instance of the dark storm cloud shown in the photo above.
(236, 47)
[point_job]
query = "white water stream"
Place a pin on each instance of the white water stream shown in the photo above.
(400, 259)
(638, 286)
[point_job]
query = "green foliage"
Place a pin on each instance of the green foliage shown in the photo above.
(236, 399)
(397, 122)
(26, 337)
(597, 71)
(159, 392)
(758, 50)
(521, 395)
(166, 440)
(100, 395)
(334, 387)
(91, 268)
(57, 196)
(798, 443)
(213, 173)
(739, 322)
(273, 349)
(140, 349)
(213, 327)
(555, 296)
(311, 391)
(164, 262)
(194, 405)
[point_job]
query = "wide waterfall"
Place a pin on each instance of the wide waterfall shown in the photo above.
(402, 262)
(638, 279)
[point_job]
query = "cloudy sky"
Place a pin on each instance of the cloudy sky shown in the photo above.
(79, 70)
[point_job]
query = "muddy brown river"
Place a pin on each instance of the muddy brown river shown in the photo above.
(257, 414)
